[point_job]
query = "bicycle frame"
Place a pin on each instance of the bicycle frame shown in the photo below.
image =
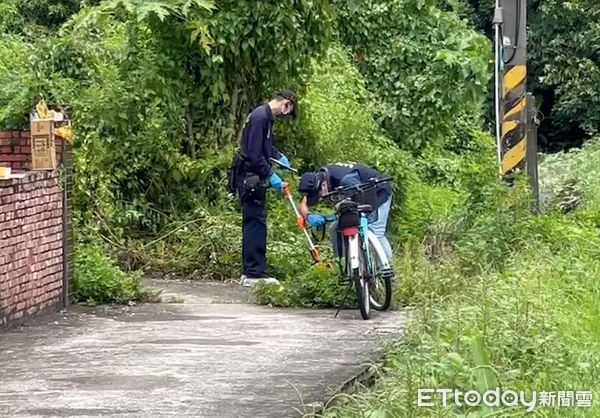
(357, 240)
(364, 231)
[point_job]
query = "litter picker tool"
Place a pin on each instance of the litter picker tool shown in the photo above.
(314, 252)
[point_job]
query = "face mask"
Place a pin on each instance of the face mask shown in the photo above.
(285, 115)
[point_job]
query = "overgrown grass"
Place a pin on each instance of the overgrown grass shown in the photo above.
(318, 286)
(569, 180)
(99, 280)
(513, 303)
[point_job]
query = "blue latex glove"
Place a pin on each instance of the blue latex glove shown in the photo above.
(276, 182)
(330, 218)
(316, 221)
(284, 160)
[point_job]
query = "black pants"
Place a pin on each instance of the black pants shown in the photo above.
(254, 235)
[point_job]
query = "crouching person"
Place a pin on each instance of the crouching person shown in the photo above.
(314, 185)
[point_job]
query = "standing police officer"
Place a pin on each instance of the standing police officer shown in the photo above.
(254, 175)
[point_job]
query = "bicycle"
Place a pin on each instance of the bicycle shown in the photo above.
(366, 265)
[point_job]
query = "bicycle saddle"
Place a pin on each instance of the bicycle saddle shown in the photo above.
(365, 208)
(346, 205)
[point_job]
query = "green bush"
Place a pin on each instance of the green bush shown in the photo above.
(16, 56)
(97, 279)
(561, 34)
(338, 110)
(569, 180)
(35, 17)
(427, 207)
(425, 66)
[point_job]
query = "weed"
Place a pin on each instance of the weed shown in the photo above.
(98, 280)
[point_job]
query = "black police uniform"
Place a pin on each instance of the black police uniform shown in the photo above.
(257, 148)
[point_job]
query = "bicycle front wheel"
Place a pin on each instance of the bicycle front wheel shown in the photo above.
(380, 272)
(359, 272)
(362, 294)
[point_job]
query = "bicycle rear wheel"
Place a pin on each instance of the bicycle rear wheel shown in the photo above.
(380, 272)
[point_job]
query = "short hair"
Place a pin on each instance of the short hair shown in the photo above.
(286, 95)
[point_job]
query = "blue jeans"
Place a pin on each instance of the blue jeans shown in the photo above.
(378, 228)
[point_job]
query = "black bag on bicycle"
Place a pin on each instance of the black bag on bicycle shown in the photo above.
(348, 216)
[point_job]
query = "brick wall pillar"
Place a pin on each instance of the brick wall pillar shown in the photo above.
(31, 249)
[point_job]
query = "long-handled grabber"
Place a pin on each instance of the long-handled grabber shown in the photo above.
(314, 252)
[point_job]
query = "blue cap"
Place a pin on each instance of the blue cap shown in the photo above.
(309, 186)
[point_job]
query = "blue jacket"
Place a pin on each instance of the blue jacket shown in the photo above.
(257, 141)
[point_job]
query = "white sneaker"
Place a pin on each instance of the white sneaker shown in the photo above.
(249, 282)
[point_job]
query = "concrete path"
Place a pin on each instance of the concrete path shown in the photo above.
(211, 356)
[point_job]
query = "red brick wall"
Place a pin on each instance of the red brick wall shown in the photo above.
(30, 245)
(15, 149)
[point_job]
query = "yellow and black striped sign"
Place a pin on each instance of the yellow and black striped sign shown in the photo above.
(513, 140)
(514, 122)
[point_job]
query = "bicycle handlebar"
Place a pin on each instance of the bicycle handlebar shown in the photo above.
(374, 182)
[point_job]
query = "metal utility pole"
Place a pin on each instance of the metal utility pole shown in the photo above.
(514, 112)
(498, 68)
(532, 161)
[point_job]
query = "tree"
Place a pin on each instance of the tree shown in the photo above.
(158, 90)
(563, 64)
(564, 60)
(36, 17)
(427, 68)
